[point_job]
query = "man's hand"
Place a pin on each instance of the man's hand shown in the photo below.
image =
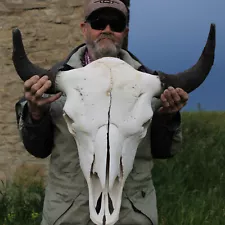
(34, 88)
(173, 100)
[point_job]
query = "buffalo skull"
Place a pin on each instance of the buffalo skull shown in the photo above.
(108, 110)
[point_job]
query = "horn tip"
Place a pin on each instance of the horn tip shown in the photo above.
(212, 32)
(16, 31)
(213, 25)
(16, 35)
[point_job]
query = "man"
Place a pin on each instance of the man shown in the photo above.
(44, 131)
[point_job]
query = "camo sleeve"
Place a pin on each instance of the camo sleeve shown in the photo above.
(37, 137)
(165, 135)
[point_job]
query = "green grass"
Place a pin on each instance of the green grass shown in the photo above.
(190, 186)
(21, 204)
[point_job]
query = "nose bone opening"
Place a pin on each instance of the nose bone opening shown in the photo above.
(99, 204)
(99, 201)
(121, 167)
(110, 202)
(111, 208)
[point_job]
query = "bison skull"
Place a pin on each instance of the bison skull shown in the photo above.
(107, 110)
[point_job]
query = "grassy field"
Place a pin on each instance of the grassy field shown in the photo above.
(190, 187)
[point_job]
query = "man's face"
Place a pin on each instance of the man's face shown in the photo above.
(104, 33)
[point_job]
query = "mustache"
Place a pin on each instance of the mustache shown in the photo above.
(109, 36)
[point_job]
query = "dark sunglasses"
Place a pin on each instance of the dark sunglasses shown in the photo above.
(116, 25)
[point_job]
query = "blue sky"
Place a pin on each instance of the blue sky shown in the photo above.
(169, 35)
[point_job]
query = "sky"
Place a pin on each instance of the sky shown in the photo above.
(169, 35)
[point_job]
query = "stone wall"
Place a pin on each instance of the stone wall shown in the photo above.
(50, 30)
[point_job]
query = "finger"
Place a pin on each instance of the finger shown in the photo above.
(175, 95)
(164, 110)
(29, 97)
(44, 101)
(30, 82)
(164, 101)
(45, 86)
(39, 84)
(183, 95)
(160, 109)
(168, 96)
(41, 101)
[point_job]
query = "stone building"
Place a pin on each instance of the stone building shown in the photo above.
(50, 30)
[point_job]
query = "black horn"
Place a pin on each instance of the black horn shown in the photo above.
(192, 78)
(24, 67)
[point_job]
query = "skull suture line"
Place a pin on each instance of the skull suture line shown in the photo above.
(108, 110)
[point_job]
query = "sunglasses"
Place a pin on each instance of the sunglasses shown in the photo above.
(116, 25)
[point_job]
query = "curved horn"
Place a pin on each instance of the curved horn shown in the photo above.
(192, 78)
(24, 67)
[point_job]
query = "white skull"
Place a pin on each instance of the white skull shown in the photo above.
(108, 110)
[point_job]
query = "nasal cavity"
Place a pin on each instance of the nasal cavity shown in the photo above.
(111, 208)
(99, 204)
(121, 167)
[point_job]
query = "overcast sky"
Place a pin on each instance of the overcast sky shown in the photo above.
(169, 35)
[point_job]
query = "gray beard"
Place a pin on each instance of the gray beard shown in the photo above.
(105, 52)
(98, 51)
